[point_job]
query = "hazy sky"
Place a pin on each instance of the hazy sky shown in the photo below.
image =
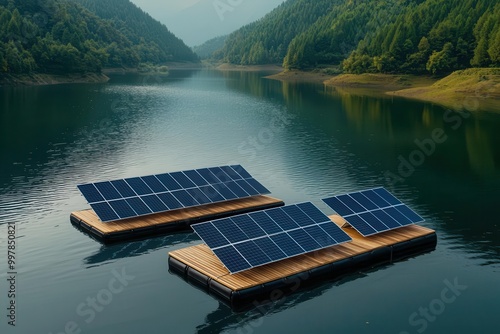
(196, 21)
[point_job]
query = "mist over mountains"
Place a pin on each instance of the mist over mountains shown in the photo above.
(196, 21)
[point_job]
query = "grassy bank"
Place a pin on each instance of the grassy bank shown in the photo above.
(471, 89)
(383, 82)
(50, 79)
(300, 76)
(474, 88)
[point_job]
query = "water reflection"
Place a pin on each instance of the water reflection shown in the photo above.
(110, 253)
(39, 125)
(360, 136)
(225, 318)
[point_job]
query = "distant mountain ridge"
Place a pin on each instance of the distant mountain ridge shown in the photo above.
(207, 50)
(267, 40)
(62, 37)
(136, 24)
(386, 36)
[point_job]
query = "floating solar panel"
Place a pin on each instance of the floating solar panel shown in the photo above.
(373, 211)
(139, 196)
(251, 240)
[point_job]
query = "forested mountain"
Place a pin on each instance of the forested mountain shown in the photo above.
(159, 44)
(410, 36)
(434, 35)
(267, 40)
(61, 36)
(207, 49)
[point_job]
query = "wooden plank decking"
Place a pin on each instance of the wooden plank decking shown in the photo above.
(201, 258)
(89, 220)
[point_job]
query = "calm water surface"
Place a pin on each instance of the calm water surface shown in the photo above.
(304, 142)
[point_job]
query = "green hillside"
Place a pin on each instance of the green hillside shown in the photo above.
(207, 50)
(386, 36)
(158, 43)
(267, 40)
(61, 37)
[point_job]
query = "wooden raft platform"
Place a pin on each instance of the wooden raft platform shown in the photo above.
(199, 265)
(170, 221)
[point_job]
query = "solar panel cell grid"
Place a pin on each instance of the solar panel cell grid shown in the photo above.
(373, 211)
(139, 186)
(271, 235)
(139, 206)
(107, 190)
(123, 188)
(171, 191)
(232, 259)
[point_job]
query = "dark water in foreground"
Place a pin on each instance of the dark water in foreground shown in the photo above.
(303, 142)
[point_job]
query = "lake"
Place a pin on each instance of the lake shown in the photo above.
(304, 142)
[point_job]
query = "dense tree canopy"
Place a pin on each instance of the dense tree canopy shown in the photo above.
(411, 36)
(60, 36)
(267, 40)
(209, 48)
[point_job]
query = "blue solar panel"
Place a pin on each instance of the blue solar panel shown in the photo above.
(139, 206)
(272, 250)
(104, 211)
(213, 238)
(170, 191)
(220, 174)
(241, 171)
(373, 211)
(154, 203)
(279, 216)
(185, 198)
(199, 196)
(232, 259)
(196, 178)
(91, 193)
(230, 230)
(265, 222)
(183, 180)
(247, 187)
(154, 184)
(170, 201)
(258, 238)
(122, 209)
(320, 235)
(312, 211)
(257, 186)
(287, 244)
(107, 190)
(231, 172)
(123, 188)
(169, 182)
(139, 186)
(249, 227)
(236, 189)
(252, 253)
(212, 194)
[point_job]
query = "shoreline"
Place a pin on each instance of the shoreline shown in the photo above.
(248, 68)
(470, 89)
(300, 76)
(42, 79)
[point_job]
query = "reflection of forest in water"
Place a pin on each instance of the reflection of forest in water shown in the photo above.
(458, 181)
